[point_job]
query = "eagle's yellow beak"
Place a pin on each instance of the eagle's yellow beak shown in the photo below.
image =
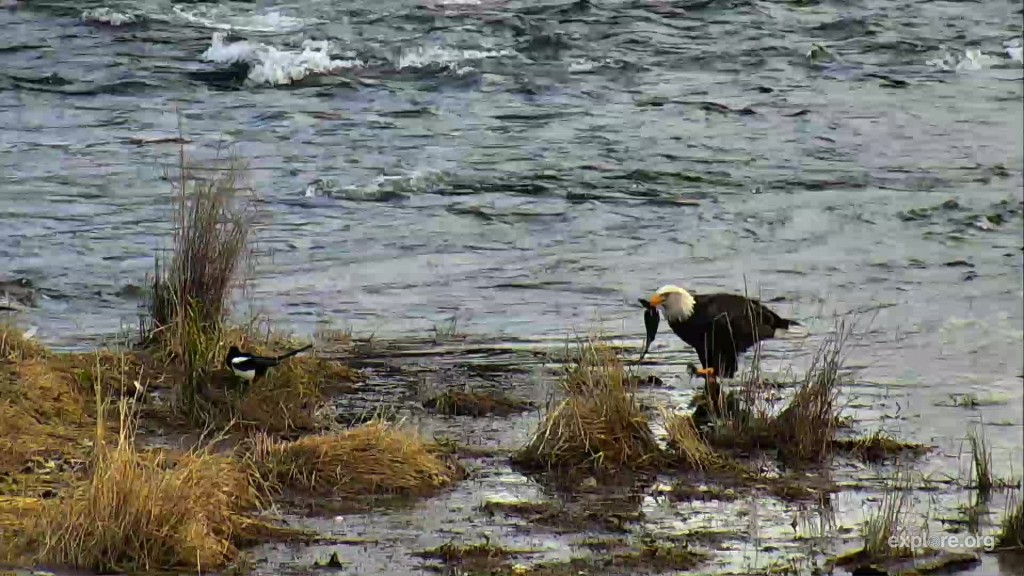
(656, 300)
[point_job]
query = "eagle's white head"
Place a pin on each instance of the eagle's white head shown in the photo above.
(675, 301)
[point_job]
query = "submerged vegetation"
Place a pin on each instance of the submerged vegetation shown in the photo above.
(475, 403)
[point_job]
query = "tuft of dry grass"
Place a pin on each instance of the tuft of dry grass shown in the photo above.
(44, 416)
(479, 558)
(657, 557)
(71, 497)
(687, 445)
(1011, 534)
(599, 425)
(572, 516)
(377, 458)
(287, 399)
(13, 346)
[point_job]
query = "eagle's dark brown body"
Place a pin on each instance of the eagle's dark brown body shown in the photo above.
(723, 326)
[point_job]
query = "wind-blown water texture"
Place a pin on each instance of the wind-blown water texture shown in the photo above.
(531, 167)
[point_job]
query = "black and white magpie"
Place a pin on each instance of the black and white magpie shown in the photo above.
(250, 367)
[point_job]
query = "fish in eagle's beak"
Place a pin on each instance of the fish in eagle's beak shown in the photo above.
(651, 320)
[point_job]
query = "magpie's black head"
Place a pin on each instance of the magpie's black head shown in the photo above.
(234, 351)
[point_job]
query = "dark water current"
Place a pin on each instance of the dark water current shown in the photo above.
(521, 164)
(531, 168)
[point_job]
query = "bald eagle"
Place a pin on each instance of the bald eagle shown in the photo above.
(720, 327)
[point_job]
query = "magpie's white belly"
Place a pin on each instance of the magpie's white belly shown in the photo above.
(247, 374)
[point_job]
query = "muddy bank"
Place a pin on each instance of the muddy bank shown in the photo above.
(498, 517)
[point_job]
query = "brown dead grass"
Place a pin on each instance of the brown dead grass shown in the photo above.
(70, 497)
(287, 399)
(879, 447)
(479, 558)
(599, 425)
(688, 447)
(44, 417)
(571, 517)
(377, 458)
(139, 510)
(616, 557)
(143, 513)
(14, 347)
(190, 290)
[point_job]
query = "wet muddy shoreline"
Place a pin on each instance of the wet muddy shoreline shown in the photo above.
(781, 523)
(550, 521)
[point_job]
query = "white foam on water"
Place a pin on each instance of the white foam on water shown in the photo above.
(1014, 50)
(582, 65)
(220, 18)
(274, 66)
(454, 60)
(386, 186)
(971, 60)
(321, 187)
(108, 16)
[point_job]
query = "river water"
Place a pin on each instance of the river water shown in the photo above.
(531, 168)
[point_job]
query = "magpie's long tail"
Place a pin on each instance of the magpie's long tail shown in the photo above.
(293, 352)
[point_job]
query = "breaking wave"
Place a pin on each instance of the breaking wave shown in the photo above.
(382, 188)
(970, 60)
(217, 17)
(275, 66)
(1014, 50)
(447, 58)
(108, 16)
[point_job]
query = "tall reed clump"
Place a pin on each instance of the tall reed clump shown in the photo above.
(190, 293)
(888, 519)
(1011, 535)
(981, 460)
(143, 511)
(599, 425)
(884, 530)
(805, 429)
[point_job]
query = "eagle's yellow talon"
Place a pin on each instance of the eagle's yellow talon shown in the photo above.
(706, 372)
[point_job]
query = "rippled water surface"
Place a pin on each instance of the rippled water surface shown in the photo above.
(530, 168)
